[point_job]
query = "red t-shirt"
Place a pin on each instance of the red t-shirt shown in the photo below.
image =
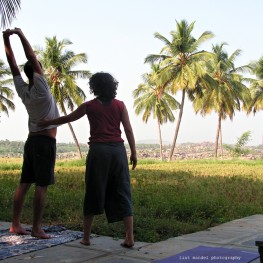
(105, 120)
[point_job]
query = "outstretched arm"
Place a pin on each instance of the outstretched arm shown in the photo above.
(73, 116)
(130, 137)
(9, 53)
(29, 52)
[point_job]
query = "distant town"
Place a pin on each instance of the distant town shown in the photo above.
(183, 151)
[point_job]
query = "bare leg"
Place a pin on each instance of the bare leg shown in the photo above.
(39, 205)
(19, 198)
(129, 238)
(87, 229)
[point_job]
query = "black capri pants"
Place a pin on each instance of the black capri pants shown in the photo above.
(108, 182)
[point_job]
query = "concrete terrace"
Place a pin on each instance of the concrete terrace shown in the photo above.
(237, 234)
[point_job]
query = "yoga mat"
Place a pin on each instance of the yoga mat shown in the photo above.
(211, 255)
(14, 245)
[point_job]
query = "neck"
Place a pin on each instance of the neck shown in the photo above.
(31, 83)
(104, 100)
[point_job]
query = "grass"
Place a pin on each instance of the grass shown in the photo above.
(169, 198)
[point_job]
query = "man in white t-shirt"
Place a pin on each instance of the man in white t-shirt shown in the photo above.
(40, 146)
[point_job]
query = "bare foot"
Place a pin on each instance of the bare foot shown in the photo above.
(18, 230)
(40, 234)
(127, 244)
(85, 242)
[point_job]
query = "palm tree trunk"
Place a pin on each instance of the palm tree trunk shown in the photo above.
(72, 132)
(217, 133)
(221, 142)
(160, 140)
(178, 124)
(75, 139)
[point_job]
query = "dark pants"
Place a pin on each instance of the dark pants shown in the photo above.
(108, 182)
(39, 160)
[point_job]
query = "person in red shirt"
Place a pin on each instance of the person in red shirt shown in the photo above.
(107, 172)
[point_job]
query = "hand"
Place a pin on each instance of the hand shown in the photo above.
(17, 30)
(7, 33)
(133, 161)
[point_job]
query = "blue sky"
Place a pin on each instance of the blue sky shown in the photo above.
(117, 35)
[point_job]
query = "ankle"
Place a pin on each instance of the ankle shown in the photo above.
(129, 238)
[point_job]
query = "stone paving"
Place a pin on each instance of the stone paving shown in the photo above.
(238, 234)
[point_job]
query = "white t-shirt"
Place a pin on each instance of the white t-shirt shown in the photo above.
(38, 101)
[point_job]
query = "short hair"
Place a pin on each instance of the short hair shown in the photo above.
(104, 85)
(28, 69)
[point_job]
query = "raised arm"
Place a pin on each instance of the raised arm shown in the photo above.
(130, 137)
(29, 52)
(73, 116)
(9, 53)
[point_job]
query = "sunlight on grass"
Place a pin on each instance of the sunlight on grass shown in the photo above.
(169, 198)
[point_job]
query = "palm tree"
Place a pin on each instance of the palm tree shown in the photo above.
(8, 10)
(256, 87)
(61, 75)
(150, 98)
(182, 62)
(229, 92)
(6, 94)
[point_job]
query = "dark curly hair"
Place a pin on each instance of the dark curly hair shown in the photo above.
(103, 85)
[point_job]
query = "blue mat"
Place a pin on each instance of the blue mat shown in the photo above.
(205, 254)
(14, 245)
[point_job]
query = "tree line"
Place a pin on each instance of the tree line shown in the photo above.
(17, 147)
(209, 79)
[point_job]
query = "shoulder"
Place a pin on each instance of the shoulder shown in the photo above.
(21, 87)
(18, 78)
(119, 103)
(89, 102)
(38, 76)
(19, 82)
(40, 82)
